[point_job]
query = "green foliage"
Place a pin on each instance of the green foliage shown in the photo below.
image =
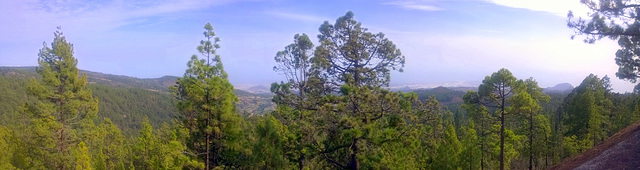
(513, 143)
(160, 150)
(269, 151)
(470, 155)
(347, 49)
(127, 107)
(81, 155)
(144, 146)
(13, 96)
(448, 154)
(572, 145)
(6, 148)
(106, 143)
(364, 119)
(99, 161)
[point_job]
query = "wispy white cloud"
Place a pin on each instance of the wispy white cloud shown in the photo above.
(26, 17)
(414, 5)
(92, 24)
(556, 7)
(297, 16)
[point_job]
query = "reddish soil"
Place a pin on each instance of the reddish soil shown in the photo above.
(620, 151)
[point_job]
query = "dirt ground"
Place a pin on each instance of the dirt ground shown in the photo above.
(620, 151)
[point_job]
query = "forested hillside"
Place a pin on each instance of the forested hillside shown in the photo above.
(125, 100)
(332, 110)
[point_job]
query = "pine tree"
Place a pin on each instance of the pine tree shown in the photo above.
(298, 98)
(526, 104)
(64, 104)
(485, 133)
(207, 106)
(363, 116)
(588, 110)
(496, 95)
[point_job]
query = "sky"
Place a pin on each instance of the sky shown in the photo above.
(443, 41)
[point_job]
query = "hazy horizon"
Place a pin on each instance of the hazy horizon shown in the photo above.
(443, 41)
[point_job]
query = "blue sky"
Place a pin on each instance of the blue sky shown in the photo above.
(443, 41)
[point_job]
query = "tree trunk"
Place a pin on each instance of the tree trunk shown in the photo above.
(546, 154)
(482, 144)
(531, 141)
(502, 141)
(62, 137)
(353, 163)
(206, 160)
(301, 162)
(62, 145)
(502, 129)
(208, 134)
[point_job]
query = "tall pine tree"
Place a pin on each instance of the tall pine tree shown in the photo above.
(207, 105)
(64, 105)
(363, 116)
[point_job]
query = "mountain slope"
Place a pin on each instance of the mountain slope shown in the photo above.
(126, 107)
(444, 95)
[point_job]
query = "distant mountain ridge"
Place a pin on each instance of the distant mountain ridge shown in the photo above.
(562, 87)
(161, 84)
(463, 86)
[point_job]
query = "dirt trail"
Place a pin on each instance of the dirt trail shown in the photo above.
(620, 151)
